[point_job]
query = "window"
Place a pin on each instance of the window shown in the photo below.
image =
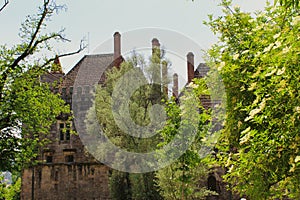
(69, 155)
(69, 158)
(64, 131)
(48, 155)
(49, 159)
(63, 92)
(68, 128)
(61, 133)
(87, 89)
(79, 90)
(71, 91)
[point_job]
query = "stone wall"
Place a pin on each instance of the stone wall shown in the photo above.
(66, 181)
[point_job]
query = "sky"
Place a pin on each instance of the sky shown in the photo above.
(97, 20)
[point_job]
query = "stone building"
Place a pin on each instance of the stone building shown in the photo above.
(66, 171)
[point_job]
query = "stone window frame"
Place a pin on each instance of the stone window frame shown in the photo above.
(49, 159)
(71, 88)
(48, 156)
(69, 158)
(69, 155)
(63, 92)
(64, 130)
(87, 89)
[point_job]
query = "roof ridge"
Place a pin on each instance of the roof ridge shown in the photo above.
(90, 56)
(99, 55)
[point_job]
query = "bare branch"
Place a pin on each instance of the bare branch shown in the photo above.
(31, 45)
(27, 51)
(38, 28)
(47, 38)
(5, 4)
(35, 40)
(81, 48)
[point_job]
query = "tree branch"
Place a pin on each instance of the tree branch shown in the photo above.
(34, 40)
(5, 4)
(46, 38)
(28, 49)
(81, 47)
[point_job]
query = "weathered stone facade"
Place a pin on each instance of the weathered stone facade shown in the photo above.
(62, 181)
(66, 170)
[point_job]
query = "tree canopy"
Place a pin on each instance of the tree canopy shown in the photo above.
(182, 178)
(27, 106)
(258, 59)
(126, 130)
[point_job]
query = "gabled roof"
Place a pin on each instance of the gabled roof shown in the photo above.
(201, 70)
(89, 69)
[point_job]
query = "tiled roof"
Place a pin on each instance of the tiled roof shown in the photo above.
(201, 70)
(89, 70)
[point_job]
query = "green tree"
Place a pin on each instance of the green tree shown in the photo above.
(258, 59)
(10, 191)
(183, 179)
(27, 106)
(111, 109)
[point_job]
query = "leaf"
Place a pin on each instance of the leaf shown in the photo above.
(271, 73)
(280, 71)
(246, 137)
(256, 110)
(297, 159)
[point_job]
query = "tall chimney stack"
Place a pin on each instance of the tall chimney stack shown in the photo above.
(175, 85)
(190, 66)
(155, 46)
(156, 73)
(117, 46)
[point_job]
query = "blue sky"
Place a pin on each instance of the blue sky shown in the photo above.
(101, 18)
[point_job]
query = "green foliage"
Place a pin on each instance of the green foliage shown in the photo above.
(140, 103)
(119, 185)
(258, 59)
(27, 106)
(182, 179)
(178, 182)
(128, 185)
(294, 4)
(10, 191)
(146, 190)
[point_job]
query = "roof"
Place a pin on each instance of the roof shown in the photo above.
(201, 70)
(89, 69)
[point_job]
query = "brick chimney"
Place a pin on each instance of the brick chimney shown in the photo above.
(156, 73)
(117, 48)
(155, 45)
(56, 67)
(190, 66)
(175, 85)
